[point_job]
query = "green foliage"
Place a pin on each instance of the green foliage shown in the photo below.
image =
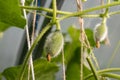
(72, 54)
(89, 34)
(11, 73)
(44, 70)
(73, 67)
(10, 15)
(75, 35)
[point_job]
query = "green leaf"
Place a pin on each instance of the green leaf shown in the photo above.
(72, 54)
(11, 73)
(10, 14)
(75, 34)
(44, 70)
(89, 34)
(73, 67)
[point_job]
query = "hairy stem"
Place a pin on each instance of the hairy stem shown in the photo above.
(90, 10)
(111, 75)
(63, 65)
(81, 22)
(45, 9)
(92, 68)
(113, 13)
(83, 15)
(30, 61)
(24, 65)
(70, 14)
(103, 71)
(40, 14)
(54, 11)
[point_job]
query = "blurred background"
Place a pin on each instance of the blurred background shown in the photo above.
(13, 45)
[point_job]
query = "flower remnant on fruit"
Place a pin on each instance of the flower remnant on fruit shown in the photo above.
(100, 33)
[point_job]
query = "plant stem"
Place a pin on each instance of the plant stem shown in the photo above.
(63, 64)
(26, 26)
(113, 13)
(83, 15)
(92, 68)
(103, 71)
(33, 25)
(40, 14)
(81, 22)
(30, 61)
(107, 9)
(54, 11)
(111, 75)
(46, 9)
(81, 62)
(32, 40)
(32, 67)
(70, 14)
(58, 25)
(90, 10)
(109, 70)
(95, 59)
(31, 49)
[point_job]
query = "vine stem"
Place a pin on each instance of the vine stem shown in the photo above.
(54, 21)
(54, 11)
(83, 15)
(26, 26)
(103, 71)
(107, 9)
(32, 40)
(113, 13)
(46, 9)
(79, 7)
(40, 14)
(92, 68)
(90, 10)
(111, 75)
(63, 64)
(24, 65)
(33, 26)
(70, 14)
(30, 65)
